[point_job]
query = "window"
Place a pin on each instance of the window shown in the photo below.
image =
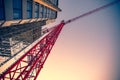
(50, 13)
(45, 12)
(36, 10)
(17, 9)
(48, 10)
(55, 2)
(1, 10)
(41, 11)
(53, 14)
(29, 9)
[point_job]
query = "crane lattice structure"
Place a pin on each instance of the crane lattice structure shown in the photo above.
(30, 64)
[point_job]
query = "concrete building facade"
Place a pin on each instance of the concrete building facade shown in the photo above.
(21, 23)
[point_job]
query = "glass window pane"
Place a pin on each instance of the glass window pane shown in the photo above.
(36, 15)
(17, 4)
(29, 9)
(36, 7)
(1, 3)
(45, 10)
(1, 10)
(29, 14)
(1, 14)
(17, 9)
(17, 14)
(29, 6)
(36, 10)
(41, 11)
(41, 8)
(41, 15)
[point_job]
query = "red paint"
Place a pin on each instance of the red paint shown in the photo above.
(34, 59)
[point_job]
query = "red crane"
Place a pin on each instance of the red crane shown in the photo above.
(30, 64)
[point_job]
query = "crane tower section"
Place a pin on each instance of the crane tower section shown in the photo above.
(21, 24)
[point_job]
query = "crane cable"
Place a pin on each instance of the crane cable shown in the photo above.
(92, 11)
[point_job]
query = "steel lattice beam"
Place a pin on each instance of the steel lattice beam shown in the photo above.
(33, 60)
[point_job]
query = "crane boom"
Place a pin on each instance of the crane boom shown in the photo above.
(33, 60)
(92, 11)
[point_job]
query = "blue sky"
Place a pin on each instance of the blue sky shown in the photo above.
(87, 49)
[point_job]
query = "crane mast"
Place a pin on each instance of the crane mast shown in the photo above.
(34, 59)
(30, 64)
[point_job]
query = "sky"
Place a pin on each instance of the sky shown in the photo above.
(87, 49)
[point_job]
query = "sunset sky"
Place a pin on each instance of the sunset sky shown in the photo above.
(87, 49)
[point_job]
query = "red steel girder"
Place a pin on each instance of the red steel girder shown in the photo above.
(31, 63)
